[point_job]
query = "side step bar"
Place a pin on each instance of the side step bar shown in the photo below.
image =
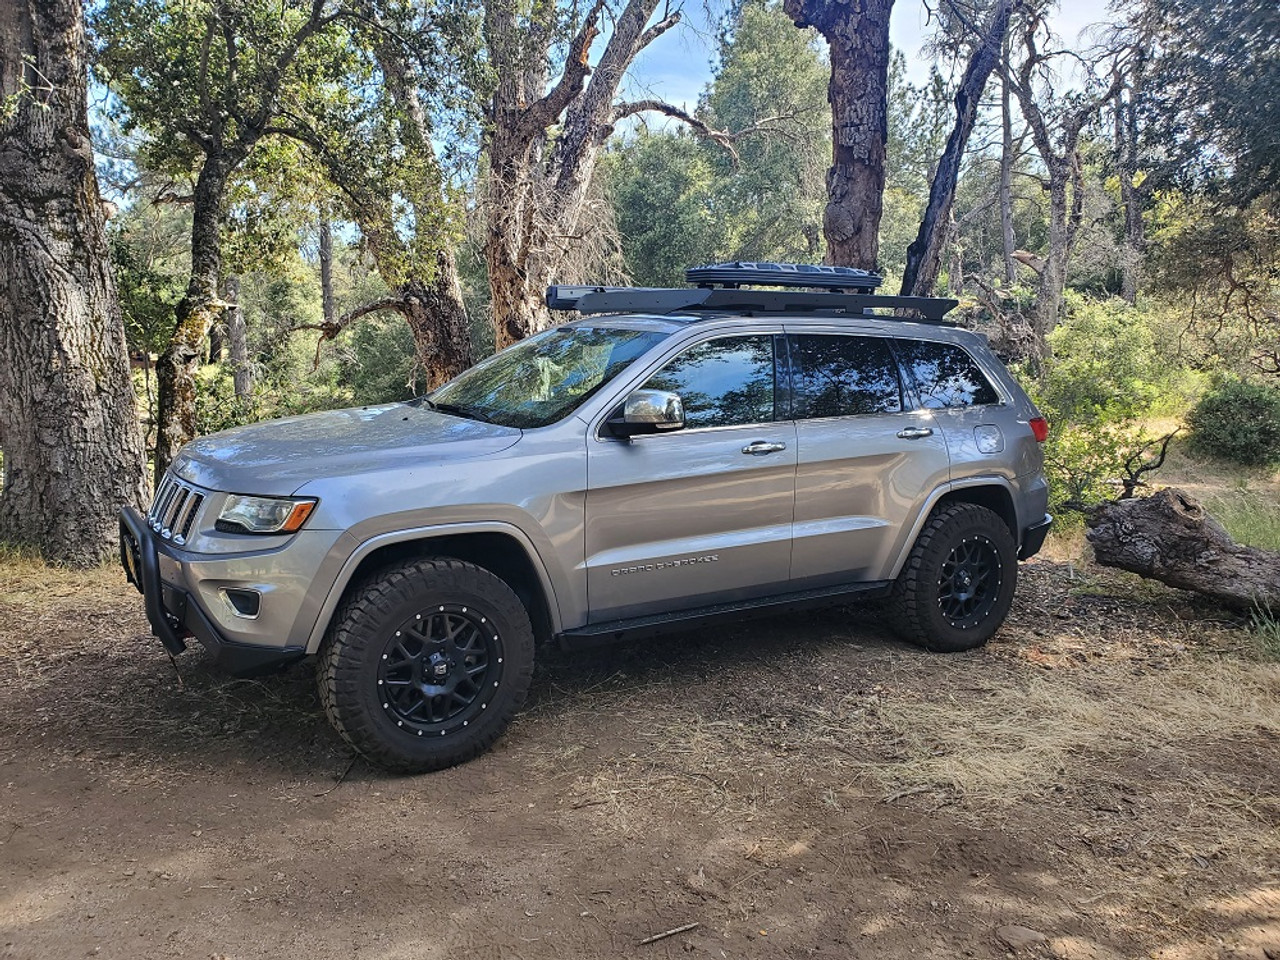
(611, 631)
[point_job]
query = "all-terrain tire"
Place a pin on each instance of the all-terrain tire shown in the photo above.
(425, 664)
(957, 585)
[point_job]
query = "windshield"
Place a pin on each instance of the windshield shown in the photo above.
(545, 378)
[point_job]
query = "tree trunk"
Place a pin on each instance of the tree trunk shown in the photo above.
(538, 181)
(238, 338)
(438, 319)
(1126, 152)
(1053, 275)
(858, 34)
(197, 312)
(1006, 180)
(327, 303)
(1171, 538)
(924, 255)
(68, 419)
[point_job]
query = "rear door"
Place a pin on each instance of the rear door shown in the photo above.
(987, 436)
(700, 515)
(867, 460)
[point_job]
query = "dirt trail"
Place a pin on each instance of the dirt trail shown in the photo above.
(1103, 775)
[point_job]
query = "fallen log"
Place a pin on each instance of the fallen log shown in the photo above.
(1170, 537)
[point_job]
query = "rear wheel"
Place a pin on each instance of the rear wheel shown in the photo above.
(425, 664)
(957, 585)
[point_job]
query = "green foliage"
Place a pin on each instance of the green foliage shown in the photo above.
(1104, 376)
(201, 76)
(1212, 114)
(1238, 421)
(379, 361)
(662, 190)
(1104, 366)
(148, 296)
(1217, 269)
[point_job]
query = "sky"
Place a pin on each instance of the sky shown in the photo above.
(677, 66)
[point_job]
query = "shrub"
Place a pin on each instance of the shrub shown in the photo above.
(1239, 422)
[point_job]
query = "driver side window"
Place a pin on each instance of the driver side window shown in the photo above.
(723, 382)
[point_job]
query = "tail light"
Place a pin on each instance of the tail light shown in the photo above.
(1040, 428)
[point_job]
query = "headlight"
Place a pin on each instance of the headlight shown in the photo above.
(263, 514)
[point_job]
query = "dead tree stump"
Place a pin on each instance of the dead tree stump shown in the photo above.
(1170, 537)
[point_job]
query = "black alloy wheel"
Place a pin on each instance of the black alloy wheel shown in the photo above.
(425, 663)
(958, 582)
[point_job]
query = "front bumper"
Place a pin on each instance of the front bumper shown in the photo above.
(175, 615)
(1033, 537)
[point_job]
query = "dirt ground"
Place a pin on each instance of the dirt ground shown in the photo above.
(1101, 781)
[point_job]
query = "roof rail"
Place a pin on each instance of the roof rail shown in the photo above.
(834, 291)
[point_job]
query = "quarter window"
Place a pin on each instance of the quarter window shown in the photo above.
(722, 382)
(839, 376)
(945, 375)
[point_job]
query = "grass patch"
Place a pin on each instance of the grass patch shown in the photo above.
(1017, 740)
(1251, 517)
(1264, 623)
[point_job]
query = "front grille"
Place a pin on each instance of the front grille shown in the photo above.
(173, 512)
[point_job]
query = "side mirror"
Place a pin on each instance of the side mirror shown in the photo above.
(648, 411)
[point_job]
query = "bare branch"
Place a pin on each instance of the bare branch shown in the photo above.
(657, 30)
(330, 330)
(723, 138)
(544, 112)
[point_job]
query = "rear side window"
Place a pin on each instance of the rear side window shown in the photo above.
(945, 375)
(840, 376)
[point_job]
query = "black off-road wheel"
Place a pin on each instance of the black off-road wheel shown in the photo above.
(425, 664)
(957, 585)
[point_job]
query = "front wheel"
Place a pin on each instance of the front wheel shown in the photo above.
(425, 664)
(957, 585)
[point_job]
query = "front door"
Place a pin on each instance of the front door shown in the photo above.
(700, 515)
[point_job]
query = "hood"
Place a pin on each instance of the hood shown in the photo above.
(279, 456)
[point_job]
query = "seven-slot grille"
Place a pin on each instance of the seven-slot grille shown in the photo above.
(173, 512)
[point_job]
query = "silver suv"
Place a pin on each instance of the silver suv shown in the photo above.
(759, 441)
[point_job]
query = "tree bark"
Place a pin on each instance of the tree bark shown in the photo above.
(924, 255)
(438, 320)
(327, 303)
(237, 338)
(68, 418)
(858, 34)
(1009, 242)
(539, 177)
(1171, 538)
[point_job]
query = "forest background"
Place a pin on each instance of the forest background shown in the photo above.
(323, 204)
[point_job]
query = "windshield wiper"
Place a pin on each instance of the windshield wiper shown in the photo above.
(469, 413)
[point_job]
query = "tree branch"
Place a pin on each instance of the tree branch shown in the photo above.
(723, 138)
(330, 330)
(657, 30)
(542, 113)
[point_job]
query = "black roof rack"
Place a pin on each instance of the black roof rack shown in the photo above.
(834, 291)
(803, 275)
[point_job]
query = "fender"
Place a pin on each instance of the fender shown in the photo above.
(354, 559)
(951, 486)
